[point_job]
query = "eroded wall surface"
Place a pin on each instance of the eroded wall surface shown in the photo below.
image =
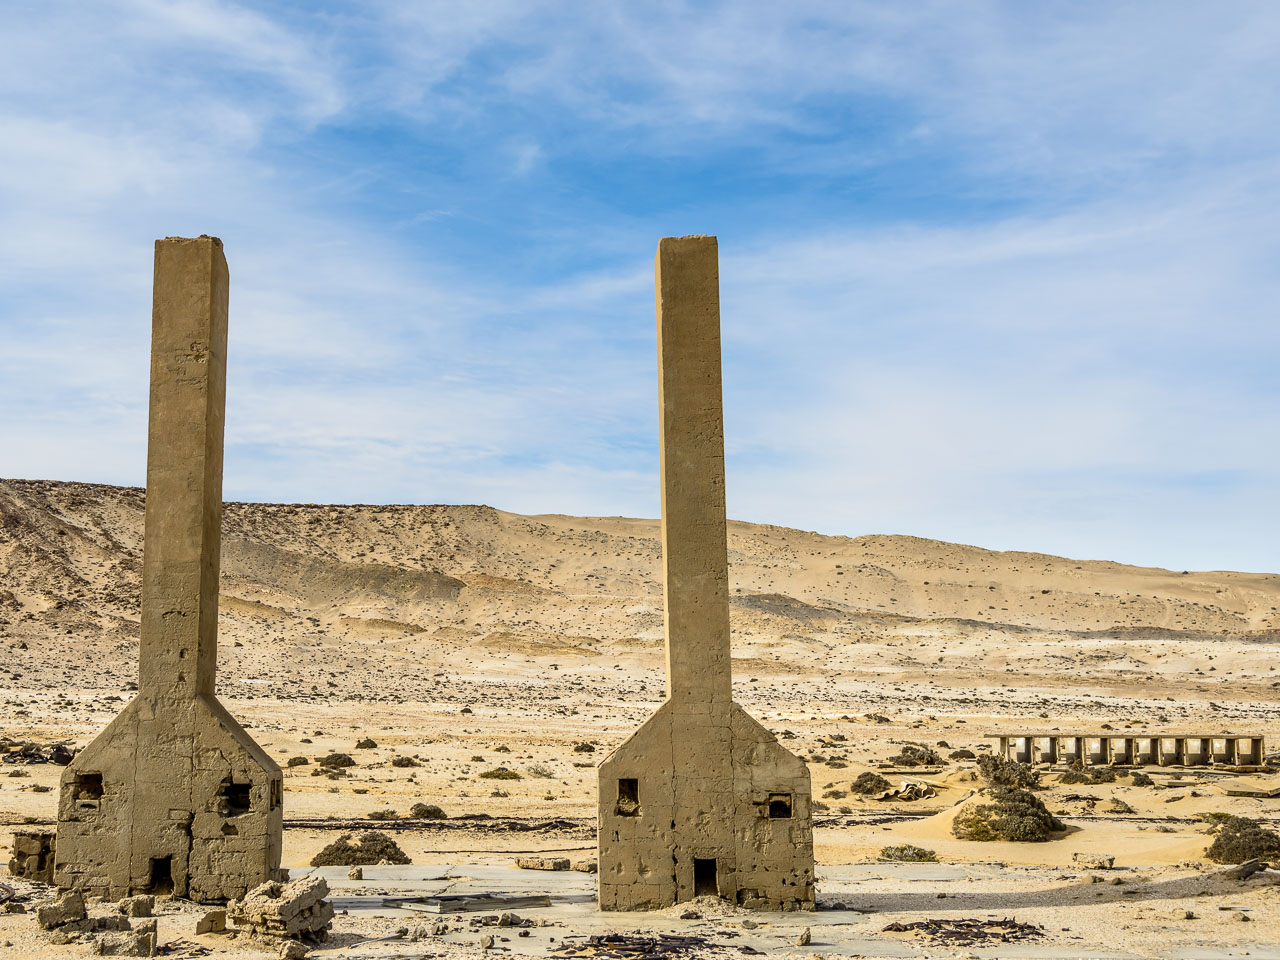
(174, 796)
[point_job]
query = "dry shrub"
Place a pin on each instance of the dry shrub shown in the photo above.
(337, 760)
(1013, 814)
(365, 849)
(868, 783)
(908, 853)
(427, 811)
(1000, 772)
(917, 755)
(1240, 839)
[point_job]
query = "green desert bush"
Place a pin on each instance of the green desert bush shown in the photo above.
(1013, 814)
(1240, 839)
(1000, 772)
(868, 783)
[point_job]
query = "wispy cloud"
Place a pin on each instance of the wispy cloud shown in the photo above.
(1002, 274)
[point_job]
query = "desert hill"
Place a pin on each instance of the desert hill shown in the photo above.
(314, 592)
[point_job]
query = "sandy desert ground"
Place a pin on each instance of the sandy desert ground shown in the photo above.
(468, 638)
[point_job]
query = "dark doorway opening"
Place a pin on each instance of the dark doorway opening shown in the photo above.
(779, 806)
(161, 875)
(628, 797)
(704, 878)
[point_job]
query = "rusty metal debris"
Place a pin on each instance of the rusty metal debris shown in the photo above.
(970, 931)
(624, 946)
(909, 790)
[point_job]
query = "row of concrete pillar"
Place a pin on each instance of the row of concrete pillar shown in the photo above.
(1189, 751)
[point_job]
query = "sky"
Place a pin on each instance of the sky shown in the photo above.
(997, 273)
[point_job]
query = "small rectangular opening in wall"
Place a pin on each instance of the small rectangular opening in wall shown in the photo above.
(779, 806)
(628, 797)
(88, 786)
(161, 875)
(704, 878)
(277, 791)
(234, 798)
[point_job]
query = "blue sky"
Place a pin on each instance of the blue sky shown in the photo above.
(999, 273)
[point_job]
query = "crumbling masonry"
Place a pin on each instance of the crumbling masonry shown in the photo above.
(701, 799)
(174, 796)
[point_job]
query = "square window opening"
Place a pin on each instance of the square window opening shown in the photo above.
(234, 798)
(779, 806)
(88, 786)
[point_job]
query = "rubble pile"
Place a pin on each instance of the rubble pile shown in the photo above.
(297, 910)
(12, 751)
(33, 855)
(69, 922)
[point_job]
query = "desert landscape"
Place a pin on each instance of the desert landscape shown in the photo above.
(484, 662)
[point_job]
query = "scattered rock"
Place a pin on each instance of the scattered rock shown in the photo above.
(139, 906)
(542, 863)
(1092, 861)
(355, 873)
(295, 910)
(215, 921)
(805, 938)
(67, 908)
(133, 944)
(585, 866)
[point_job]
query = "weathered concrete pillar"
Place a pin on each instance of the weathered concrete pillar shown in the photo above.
(174, 796)
(701, 799)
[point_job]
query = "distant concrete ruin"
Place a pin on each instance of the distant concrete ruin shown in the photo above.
(174, 796)
(701, 800)
(1108, 749)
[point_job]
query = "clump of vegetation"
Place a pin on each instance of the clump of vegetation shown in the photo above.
(502, 748)
(500, 773)
(298, 762)
(1078, 773)
(835, 794)
(1013, 814)
(537, 770)
(366, 744)
(1242, 838)
(427, 811)
(868, 783)
(1140, 779)
(584, 748)
(962, 754)
(384, 815)
(361, 849)
(1000, 772)
(404, 762)
(908, 853)
(337, 760)
(917, 755)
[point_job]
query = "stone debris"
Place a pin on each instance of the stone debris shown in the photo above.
(585, 866)
(542, 863)
(136, 943)
(296, 910)
(805, 938)
(625, 946)
(28, 753)
(1092, 861)
(355, 873)
(66, 909)
(33, 855)
(293, 950)
(139, 906)
(215, 921)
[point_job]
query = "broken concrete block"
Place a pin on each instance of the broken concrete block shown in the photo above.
(139, 906)
(585, 866)
(293, 950)
(32, 857)
(215, 921)
(542, 863)
(294, 910)
(355, 873)
(66, 909)
(1092, 861)
(805, 938)
(132, 944)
